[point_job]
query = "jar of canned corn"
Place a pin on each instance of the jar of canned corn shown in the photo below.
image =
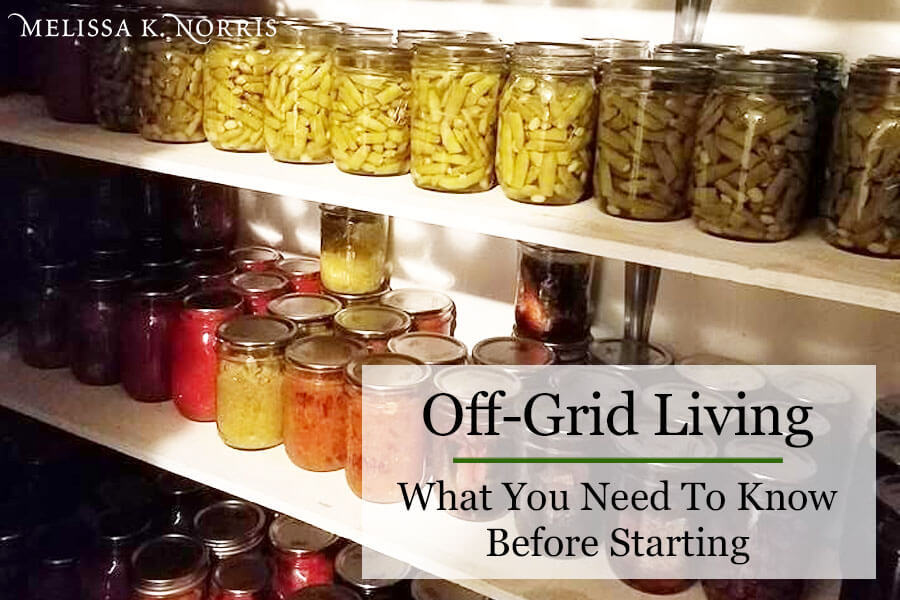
(235, 69)
(299, 94)
(546, 123)
(370, 116)
(170, 83)
(456, 87)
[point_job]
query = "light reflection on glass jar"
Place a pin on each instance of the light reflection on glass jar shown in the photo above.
(430, 310)
(372, 326)
(302, 556)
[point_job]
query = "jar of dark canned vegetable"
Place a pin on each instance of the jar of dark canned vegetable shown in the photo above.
(67, 79)
(45, 318)
(114, 71)
(205, 214)
(97, 312)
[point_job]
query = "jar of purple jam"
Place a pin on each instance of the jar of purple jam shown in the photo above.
(96, 319)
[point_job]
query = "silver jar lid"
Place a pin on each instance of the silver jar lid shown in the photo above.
(389, 571)
(414, 374)
(323, 353)
(168, 565)
(296, 537)
(372, 322)
(418, 302)
(250, 255)
(241, 575)
(230, 527)
(253, 331)
(305, 308)
(253, 282)
(511, 351)
(430, 348)
(301, 265)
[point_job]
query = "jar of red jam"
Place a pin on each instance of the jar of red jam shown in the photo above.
(231, 528)
(301, 556)
(205, 214)
(303, 273)
(389, 583)
(440, 589)
(170, 567)
(753, 589)
(315, 413)
(106, 572)
(430, 348)
(194, 358)
(373, 326)
(244, 577)
(96, 322)
(151, 311)
(44, 318)
(392, 449)
(359, 299)
(255, 258)
(313, 314)
(210, 273)
(258, 289)
(430, 310)
(325, 592)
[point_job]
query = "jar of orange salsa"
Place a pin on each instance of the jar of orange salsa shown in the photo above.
(391, 450)
(315, 413)
(430, 310)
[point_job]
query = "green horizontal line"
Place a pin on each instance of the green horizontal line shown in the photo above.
(620, 460)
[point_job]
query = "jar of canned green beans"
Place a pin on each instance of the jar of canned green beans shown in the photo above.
(370, 116)
(171, 84)
(645, 137)
(546, 127)
(753, 149)
(456, 87)
(409, 38)
(114, 64)
(235, 69)
(299, 94)
(694, 52)
(618, 49)
(863, 195)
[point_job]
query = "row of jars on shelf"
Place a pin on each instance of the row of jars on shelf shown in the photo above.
(743, 145)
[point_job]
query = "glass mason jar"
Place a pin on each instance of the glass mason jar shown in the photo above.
(194, 360)
(231, 528)
(303, 272)
(148, 323)
(430, 348)
(456, 87)
(369, 123)
(863, 206)
(409, 38)
(694, 52)
(249, 410)
(546, 126)
(240, 578)
(372, 326)
(258, 289)
(430, 310)
(361, 37)
(360, 299)
(106, 570)
(753, 148)
(114, 72)
(354, 250)
(235, 72)
(106, 217)
(606, 49)
(255, 258)
(753, 589)
(554, 294)
(392, 448)
(149, 213)
(441, 589)
(45, 315)
(97, 315)
(645, 137)
(390, 582)
(205, 215)
(170, 567)
(301, 557)
(210, 274)
(315, 414)
(296, 126)
(13, 564)
(67, 68)
(180, 499)
(313, 314)
(170, 84)
(55, 573)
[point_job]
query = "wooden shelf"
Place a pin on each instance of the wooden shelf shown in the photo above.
(805, 265)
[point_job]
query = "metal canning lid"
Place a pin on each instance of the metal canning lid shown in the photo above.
(305, 308)
(414, 375)
(828, 64)
(364, 54)
(247, 574)
(812, 387)
(325, 592)
(171, 484)
(708, 359)
(408, 38)
(59, 545)
(259, 283)
(430, 348)
(323, 352)
(372, 322)
(207, 268)
(615, 48)
(511, 351)
(694, 51)
(230, 526)
(213, 301)
(566, 56)
(724, 377)
(296, 537)
(418, 302)
(611, 352)
(298, 33)
(440, 589)
(249, 255)
(118, 528)
(454, 51)
(798, 465)
(158, 288)
(103, 277)
(348, 566)
(465, 380)
(168, 565)
(351, 299)
(302, 265)
(52, 273)
(654, 72)
(356, 35)
(816, 422)
(253, 331)
(666, 446)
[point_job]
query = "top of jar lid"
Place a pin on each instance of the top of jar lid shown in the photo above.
(213, 301)
(51, 273)
(304, 308)
(355, 35)
(418, 302)
(228, 522)
(171, 484)
(219, 253)
(708, 359)
(614, 49)
(102, 276)
(244, 574)
(464, 381)
(678, 406)
(614, 352)
(209, 268)
(158, 288)
(258, 283)
(408, 38)
(797, 466)
(59, 545)
(660, 70)
(389, 571)
(328, 591)
(415, 373)
(468, 49)
(169, 564)
(301, 265)
(663, 447)
(122, 527)
(827, 63)
(811, 387)
(255, 331)
(372, 322)
(511, 351)
(296, 537)
(430, 348)
(555, 49)
(250, 255)
(883, 72)
(694, 51)
(323, 352)
(441, 589)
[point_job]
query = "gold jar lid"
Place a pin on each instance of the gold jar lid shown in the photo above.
(304, 309)
(430, 348)
(323, 352)
(418, 302)
(252, 332)
(259, 283)
(511, 351)
(291, 536)
(412, 374)
(372, 322)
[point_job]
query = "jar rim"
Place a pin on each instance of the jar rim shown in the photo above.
(230, 525)
(323, 353)
(534, 49)
(256, 331)
(248, 255)
(445, 349)
(293, 536)
(244, 574)
(307, 308)
(357, 53)
(513, 348)
(152, 558)
(666, 71)
(354, 371)
(348, 565)
(299, 265)
(155, 288)
(372, 321)
(259, 282)
(418, 302)
(355, 299)
(213, 301)
(491, 52)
